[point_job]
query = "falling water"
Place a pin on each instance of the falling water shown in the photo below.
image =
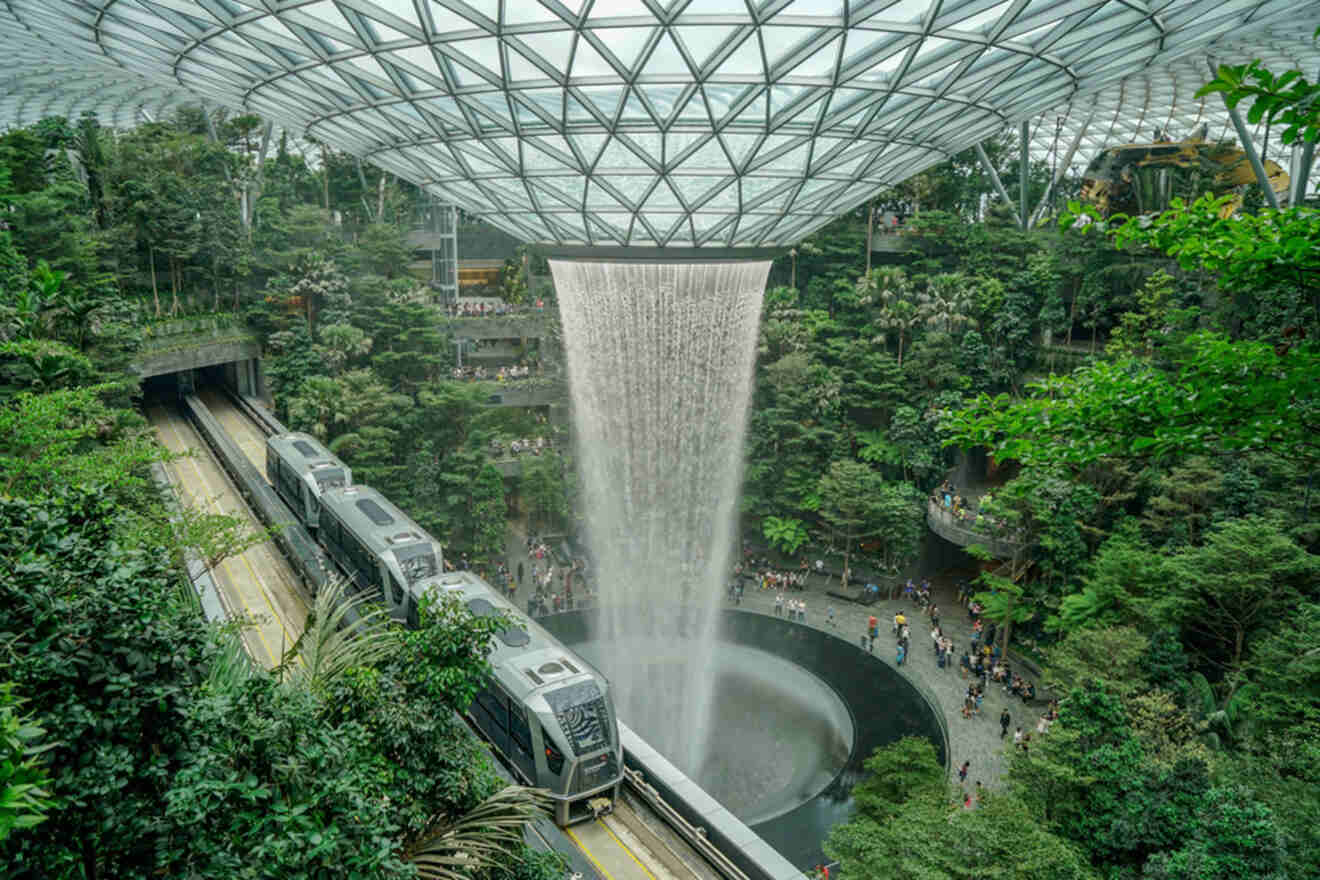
(660, 362)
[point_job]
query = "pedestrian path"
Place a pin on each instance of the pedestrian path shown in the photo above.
(976, 740)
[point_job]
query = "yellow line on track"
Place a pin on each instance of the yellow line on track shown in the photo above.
(293, 593)
(261, 584)
(626, 849)
(587, 853)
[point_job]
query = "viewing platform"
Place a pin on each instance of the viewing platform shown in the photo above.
(529, 324)
(963, 531)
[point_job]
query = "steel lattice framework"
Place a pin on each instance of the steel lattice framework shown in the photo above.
(671, 123)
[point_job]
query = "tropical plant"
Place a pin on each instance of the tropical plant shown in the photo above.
(24, 799)
(946, 302)
(341, 633)
(785, 534)
(483, 838)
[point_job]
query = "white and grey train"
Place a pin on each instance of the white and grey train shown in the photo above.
(548, 712)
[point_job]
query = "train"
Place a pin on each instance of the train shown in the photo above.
(301, 469)
(546, 711)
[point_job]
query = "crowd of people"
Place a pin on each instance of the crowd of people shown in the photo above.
(498, 374)
(768, 579)
(489, 309)
(968, 514)
(517, 447)
(554, 587)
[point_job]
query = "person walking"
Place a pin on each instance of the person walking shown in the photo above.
(779, 605)
(1004, 721)
(901, 654)
(962, 771)
(520, 572)
(829, 611)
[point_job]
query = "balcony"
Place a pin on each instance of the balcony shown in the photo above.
(963, 531)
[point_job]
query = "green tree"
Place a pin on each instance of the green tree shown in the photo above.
(905, 829)
(1232, 588)
(1224, 398)
(1233, 837)
(848, 493)
(895, 774)
(541, 483)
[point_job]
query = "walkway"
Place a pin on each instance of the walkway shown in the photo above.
(976, 740)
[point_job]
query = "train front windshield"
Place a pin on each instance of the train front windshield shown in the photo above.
(330, 478)
(418, 562)
(582, 714)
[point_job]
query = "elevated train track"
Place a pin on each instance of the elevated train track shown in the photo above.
(221, 440)
(258, 584)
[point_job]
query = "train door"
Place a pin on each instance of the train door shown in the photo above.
(520, 741)
(311, 506)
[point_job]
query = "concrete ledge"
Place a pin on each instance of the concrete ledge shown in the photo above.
(528, 325)
(192, 357)
(515, 394)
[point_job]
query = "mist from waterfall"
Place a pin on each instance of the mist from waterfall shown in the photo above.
(660, 359)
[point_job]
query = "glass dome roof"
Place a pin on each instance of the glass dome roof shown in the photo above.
(1163, 100)
(673, 123)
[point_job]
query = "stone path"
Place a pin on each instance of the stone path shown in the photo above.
(976, 740)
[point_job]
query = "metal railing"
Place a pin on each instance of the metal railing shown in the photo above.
(943, 523)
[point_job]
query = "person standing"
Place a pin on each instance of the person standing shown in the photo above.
(1004, 721)
(872, 627)
(779, 605)
(900, 654)
(1017, 738)
(829, 611)
(520, 572)
(962, 771)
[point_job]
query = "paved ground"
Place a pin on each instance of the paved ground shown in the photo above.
(976, 740)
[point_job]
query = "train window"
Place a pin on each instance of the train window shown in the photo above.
(495, 706)
(330, 479)
(374, 512)
(518, 729)
(307, 449)
(514, 636)
(417, 562)
(554, 759)
(396, 591)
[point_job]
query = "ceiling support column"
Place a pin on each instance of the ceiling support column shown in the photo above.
(994, 175)
(1061, 170)
(1248, 147)
(1024, 140)
(1303, 172)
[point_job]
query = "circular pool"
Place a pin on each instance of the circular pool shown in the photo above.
(795, 713)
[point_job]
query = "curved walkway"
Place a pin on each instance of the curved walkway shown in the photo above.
(976, 740)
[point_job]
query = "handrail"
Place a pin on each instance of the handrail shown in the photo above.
(943, 523)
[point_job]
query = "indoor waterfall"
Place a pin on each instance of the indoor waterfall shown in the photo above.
(660, 359)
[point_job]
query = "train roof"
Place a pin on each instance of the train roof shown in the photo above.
(373, 518)
(303, 452)
(526, 660)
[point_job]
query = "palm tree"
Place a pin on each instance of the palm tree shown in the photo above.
(454, 848)
(342, 633)
(890, 288)
(946, 301)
